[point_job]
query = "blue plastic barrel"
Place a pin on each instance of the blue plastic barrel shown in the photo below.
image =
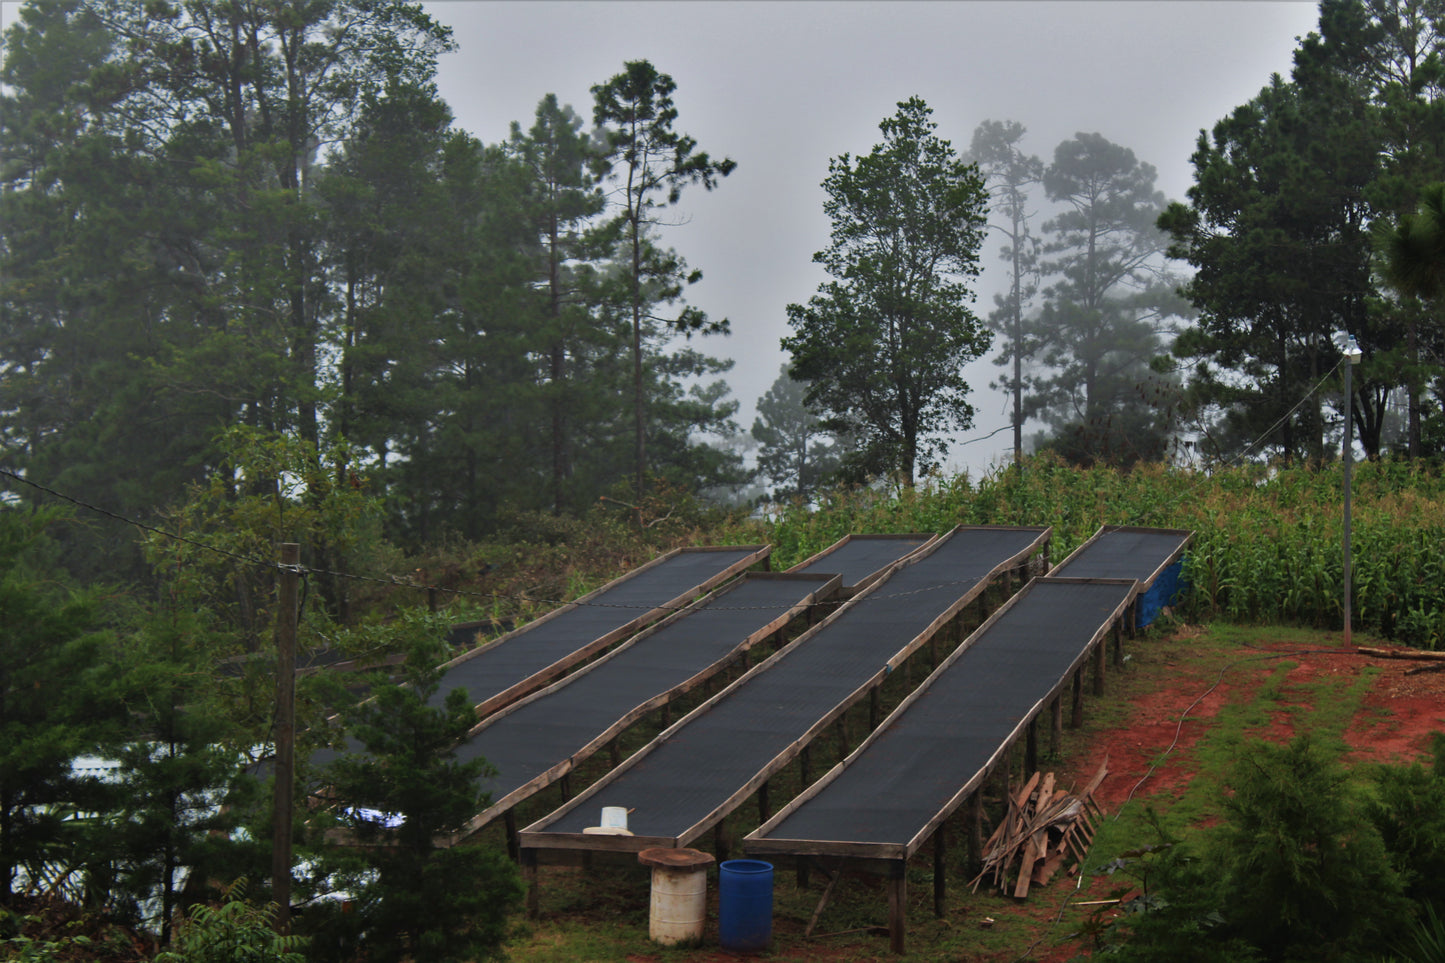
(745, 905)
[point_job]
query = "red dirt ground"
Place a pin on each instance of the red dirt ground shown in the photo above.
(1401, 712)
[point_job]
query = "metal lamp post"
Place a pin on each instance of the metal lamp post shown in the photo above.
(1351, 352)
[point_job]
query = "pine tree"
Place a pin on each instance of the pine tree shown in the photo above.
(883, 343)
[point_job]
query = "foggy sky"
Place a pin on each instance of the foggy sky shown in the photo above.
(780, 87)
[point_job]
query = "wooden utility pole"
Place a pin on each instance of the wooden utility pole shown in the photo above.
(286, 615)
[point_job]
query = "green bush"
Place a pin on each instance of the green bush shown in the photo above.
(233, 932)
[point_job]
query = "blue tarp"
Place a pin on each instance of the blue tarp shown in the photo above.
(1166, 590)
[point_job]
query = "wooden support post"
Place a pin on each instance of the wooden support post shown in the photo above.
(873, 707)
(287, 613)
(667, 715)
(805, 766)
(1031, 747)
(720, 840)
(1099, 669)
(529, 880)
(765, 809)
(1077, 720)
(614, 751)
(514, 851)
(898, 906)
(1118, 645)
(1056, 725)
(940, 870)
(565, 784)
(975, 833)
(801, 867)
(843, 749)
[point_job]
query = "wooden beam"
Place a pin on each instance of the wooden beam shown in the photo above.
(529, 880)
(514, 852)
(1099, 669)
(827, 893)
(1056, 726)
(975, 832)
(1031, 746)
(940, 870)
(1077, 716)
(898, 906)
(287, 612)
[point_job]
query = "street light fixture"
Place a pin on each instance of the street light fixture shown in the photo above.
(1351, 350)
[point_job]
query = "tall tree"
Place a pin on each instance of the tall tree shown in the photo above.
(883, 343)
(1010, 174)
(54, 702)
(1412, 254)
(564, 164)
(180, 788)
(650, 165)
(795, 453)
(1405, 71)
(1107, 303)
(1279, 227)
(173, 277)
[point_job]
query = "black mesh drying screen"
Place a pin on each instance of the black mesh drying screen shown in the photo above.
(1125, 553)
(924, 755)
(858, 558)
(532, 738)
(705, 762)
(534, 648)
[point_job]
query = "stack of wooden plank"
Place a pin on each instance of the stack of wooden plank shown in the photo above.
(1041, 829)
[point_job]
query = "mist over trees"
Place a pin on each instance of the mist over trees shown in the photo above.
(1010, 175)
(1107, 305)
(796, 453)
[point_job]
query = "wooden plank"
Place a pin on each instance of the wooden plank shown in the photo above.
(1418, 654)
(1026, 869)
(1044, 871)
(898, 910)
(827, 893)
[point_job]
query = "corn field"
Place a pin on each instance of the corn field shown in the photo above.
(1267, 545)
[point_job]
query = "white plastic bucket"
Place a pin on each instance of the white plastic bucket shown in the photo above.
(614, 817)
